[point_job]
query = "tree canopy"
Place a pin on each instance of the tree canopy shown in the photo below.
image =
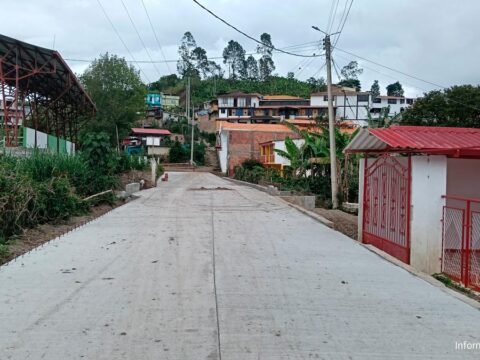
(395, 89)
(118, 93)
(457, 106)
(375, 89)
(349, 75)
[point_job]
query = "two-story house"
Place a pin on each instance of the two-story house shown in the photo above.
(396, 105)
(255, 108)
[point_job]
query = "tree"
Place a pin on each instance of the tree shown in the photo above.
(455, 106)
(203, 65)
(349, 75)
(185, 65)
(252, 68)
(351, 70)
(290, 75)
(266, 64)
(234, 56)
(317, 84)
(395, 89)
(118, 93)
(375, 89)
(165, 82)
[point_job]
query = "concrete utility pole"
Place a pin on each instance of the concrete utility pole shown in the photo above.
(192, 122)
(331, 119)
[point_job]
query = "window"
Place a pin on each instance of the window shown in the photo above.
(402, 101)
(241, 102)
(248, 102)
(377, 100)
(224, 101)
(223, 111)
(363, 98)
(325, 98)
(409, 101)
(392, 101)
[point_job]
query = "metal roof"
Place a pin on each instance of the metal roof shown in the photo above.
(145, 131)
(418, 139)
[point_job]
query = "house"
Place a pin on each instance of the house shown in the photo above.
(271, 159)
(395, 104)
(256, 108)
(154, 140)
(238, 142)
(8, 107)
(170, 101)
(349, 103)
(420, 199)
(358, 105)
(237, 106)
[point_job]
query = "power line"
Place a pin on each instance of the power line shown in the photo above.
(305, 48)
(121, 39)
(156, 38)
(392, 69)
(330, 16)
(140, 38)
(343, 25)
(306, 65)
(249, 36)
(333, 18)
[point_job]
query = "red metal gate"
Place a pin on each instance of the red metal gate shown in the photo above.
(461, 240)
(386, 206)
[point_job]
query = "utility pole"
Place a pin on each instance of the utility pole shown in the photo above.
(331, 119)
(192, 122)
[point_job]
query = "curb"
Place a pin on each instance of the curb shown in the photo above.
(304, 211)
(424, 276)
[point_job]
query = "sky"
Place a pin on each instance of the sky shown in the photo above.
(434, 40)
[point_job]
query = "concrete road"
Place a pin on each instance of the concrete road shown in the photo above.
(188, 273)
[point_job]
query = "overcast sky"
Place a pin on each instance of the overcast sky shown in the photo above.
(436, 40)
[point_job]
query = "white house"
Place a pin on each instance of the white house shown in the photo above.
(420, 199)
(237, 105)
(350, 104)
(396, 105)
(356, 106)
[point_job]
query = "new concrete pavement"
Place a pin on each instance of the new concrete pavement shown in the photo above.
(186, 272)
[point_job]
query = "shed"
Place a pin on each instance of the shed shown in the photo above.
(420, 197)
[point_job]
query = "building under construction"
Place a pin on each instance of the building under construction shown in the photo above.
(38, 90)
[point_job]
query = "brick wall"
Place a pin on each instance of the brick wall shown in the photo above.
(243, 145)
(207, 123)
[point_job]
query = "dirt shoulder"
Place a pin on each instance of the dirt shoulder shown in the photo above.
(32, 238)
(344, 222)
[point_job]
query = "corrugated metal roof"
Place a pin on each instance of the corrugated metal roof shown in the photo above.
(425, 139)
(224, 125)
(144, 131)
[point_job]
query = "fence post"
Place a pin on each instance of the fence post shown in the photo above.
(153, 165)
(466, 247)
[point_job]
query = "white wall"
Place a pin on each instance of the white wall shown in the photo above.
(42, 139)
(223, 152)
(463, 177)
(429, 183)
(280, 145)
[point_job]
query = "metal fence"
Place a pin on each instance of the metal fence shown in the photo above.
(461, 240)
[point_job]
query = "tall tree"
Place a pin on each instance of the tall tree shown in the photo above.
(234, 56)
(252, 68)
(317, 84)
(185, 65)
(118, 92)
(349, 75)
(375, 89)
(395, 89)
(266, 64)
(165, 82)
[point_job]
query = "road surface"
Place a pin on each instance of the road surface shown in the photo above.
(186, 272)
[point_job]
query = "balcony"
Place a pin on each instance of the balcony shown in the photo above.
(268, 159)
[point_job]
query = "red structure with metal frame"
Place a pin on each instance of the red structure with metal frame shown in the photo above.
(386, 205)
(37, 86)
(461, 240)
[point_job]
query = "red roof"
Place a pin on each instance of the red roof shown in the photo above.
(145, 131)
(420, 139)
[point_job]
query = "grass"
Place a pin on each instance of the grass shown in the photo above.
(455, 286)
